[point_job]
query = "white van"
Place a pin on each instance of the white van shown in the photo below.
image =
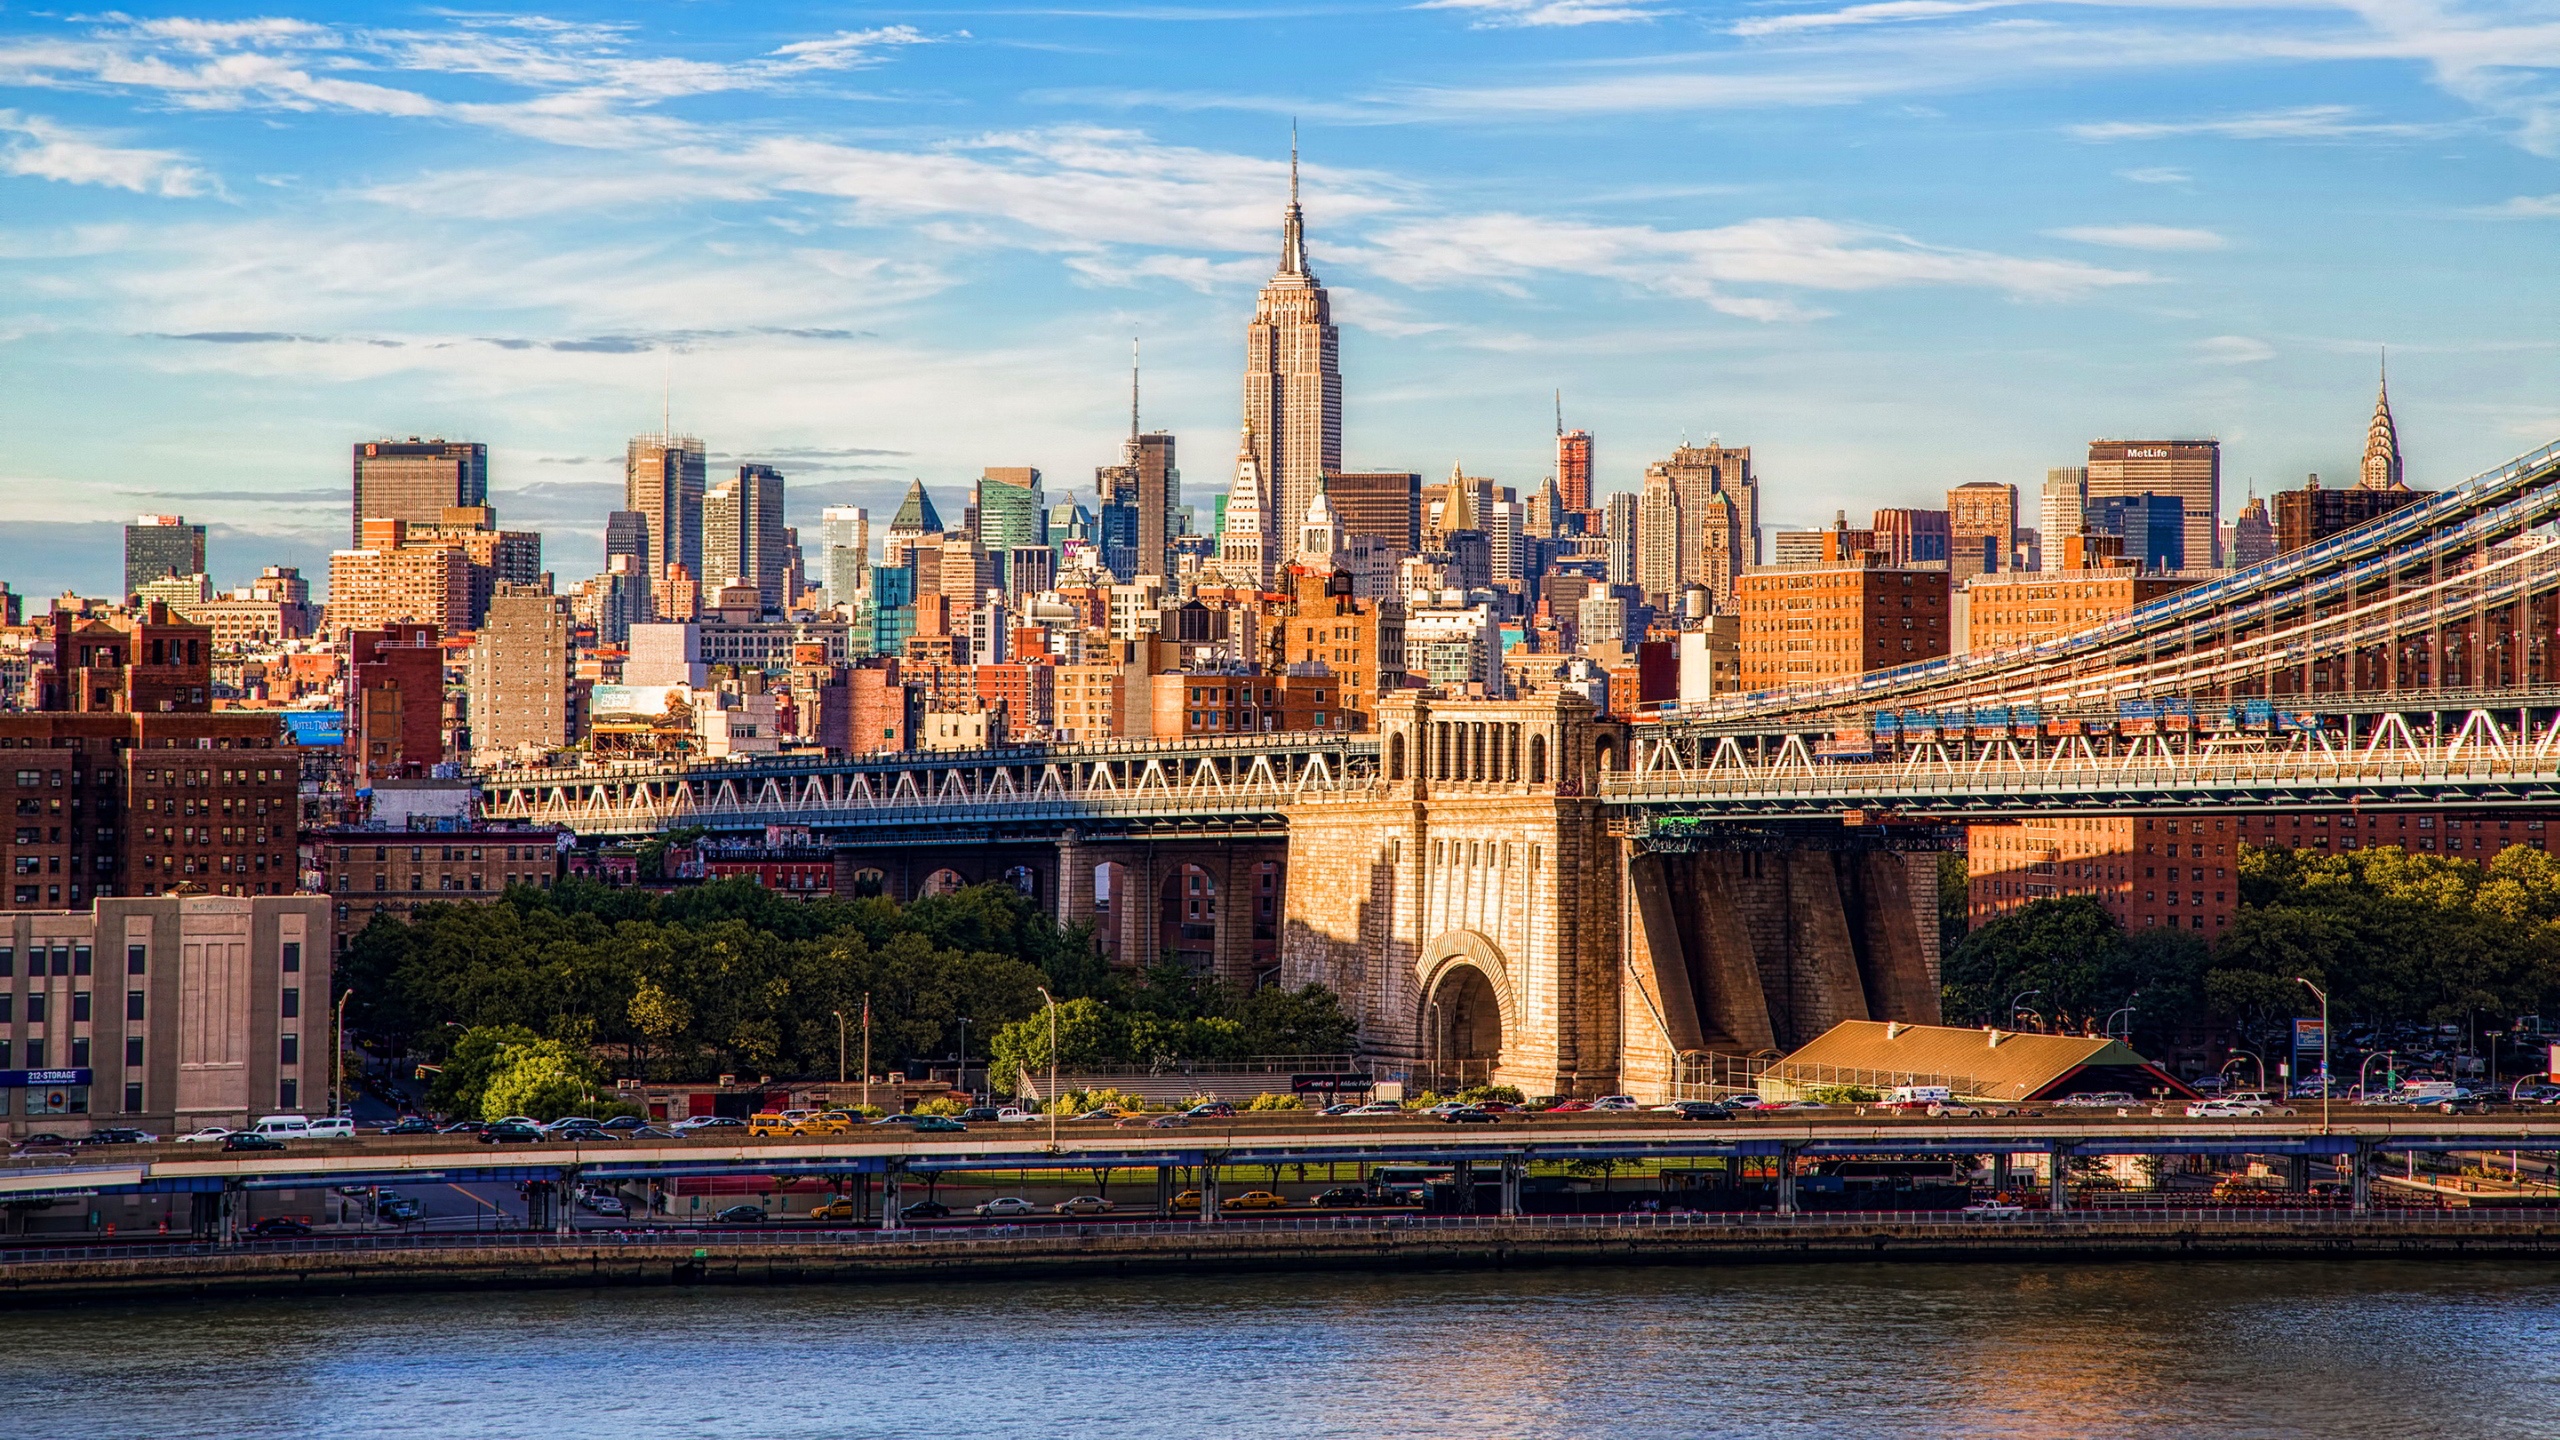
(1921, 1097)
(331, 1127)
(283, 1127)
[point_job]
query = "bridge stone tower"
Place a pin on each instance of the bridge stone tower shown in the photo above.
(1465, 905)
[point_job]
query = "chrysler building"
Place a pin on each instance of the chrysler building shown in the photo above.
(1292, 379)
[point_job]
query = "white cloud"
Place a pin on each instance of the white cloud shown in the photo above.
(1884, 12)
(2155, 175)
(1503, 251)
(40, 149)
(2234, 350)
(848, 48)
(2303, 122)
(2141, 237)
(2529, 207)
(1551, 12)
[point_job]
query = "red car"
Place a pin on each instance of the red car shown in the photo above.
(1564, 1107)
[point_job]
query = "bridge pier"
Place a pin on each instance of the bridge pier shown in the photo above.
(1788, 1152)
(2297, 1173)
(2000, 1173)
(1512, 1166)
(568, 1198)
(890, 1219)
(2360, 1176)
(1208, 1193)
(2058, 1175)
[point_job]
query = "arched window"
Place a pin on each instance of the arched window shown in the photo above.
(1395, 756)
(1537, 759)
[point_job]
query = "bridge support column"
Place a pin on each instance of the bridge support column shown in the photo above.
(2297, 1173)
(1787, 1154)
(2057, 1178)
(1512, 1165)
(568, 1198)
(233, 1215)
(890, 1219)
(2360, 1176)
(1466, 1177)
(2000, 1173)
(1164, 1191)
(1208, 1194)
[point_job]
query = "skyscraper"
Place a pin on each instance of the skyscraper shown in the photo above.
(662, 478)
(2253, 535)
(2188, 469)
(916, 520)
(416, 480)
(1622, 538)
(1292, 374)
(1713, 544)
(2382, 445)
(1245, 551)
(158, 546)
(1982, 527)
(2062, 510)
(626, 533)
(743, 537)
(1573, 463)
(844, 551)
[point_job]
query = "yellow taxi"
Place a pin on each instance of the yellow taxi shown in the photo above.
(1254, 1200)
(771, 1122)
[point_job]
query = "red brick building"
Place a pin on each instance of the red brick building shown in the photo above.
(1808, 623)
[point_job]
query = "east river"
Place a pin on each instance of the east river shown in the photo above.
(2345, 1349)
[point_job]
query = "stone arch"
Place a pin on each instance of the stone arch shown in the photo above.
(1114, 883)
(868, 881)
(1467, 1004)
(1187, 925)
(941, 882)
(1395, 756)
(1537, 759)
(1604, 753)
(1024, 879)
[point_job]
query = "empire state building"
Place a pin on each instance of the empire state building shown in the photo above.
(1292, 377)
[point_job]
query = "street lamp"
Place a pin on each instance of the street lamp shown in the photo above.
(2388, 1070)
(839, 1048)
(866, 1049)
(2022, 998)
(2324, 1050)
(1054, 1101)
(964, 1057)
(2239, 1055)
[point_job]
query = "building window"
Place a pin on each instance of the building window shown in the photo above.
(136, 959)
(79, 1007)
(133, 1097)
(133, 1004)
(292, 957)
(291, 1006)
(133, 1052)
(35, 1054)
(79, 959)
(288, 1094)
(79, 1052)
(288, 1049)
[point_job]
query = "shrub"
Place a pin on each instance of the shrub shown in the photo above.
(1275, 1102)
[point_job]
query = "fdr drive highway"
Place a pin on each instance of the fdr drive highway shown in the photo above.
(1496, 1222)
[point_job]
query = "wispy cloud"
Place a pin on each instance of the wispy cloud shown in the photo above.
(41, 149)
(1551, 12)
(2302, 122)
(1720, 267)
(2528, 207)
(2234, 350)
(2141, 237)
(2155, 175)
(1883, 13)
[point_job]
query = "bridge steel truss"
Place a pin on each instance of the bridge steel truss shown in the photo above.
(1231, 787)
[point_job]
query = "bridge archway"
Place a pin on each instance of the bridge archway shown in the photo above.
(1112, 904)
(870, 881)
(1024, 879)
(941, 882)
(1466, 1017)
(1188, 918)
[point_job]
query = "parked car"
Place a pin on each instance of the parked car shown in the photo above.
(1015, 1115)
(588, 1134)
(700, 1124)
(205, 1136)
(43, 1142)
(1212, 1109)
(834, 1207)
(239, 1140)
(1993, 1210)
(1340, 1108)
(1007, 1206)
(1342, 1197)
(2097, 1100)
(1379, 1107)
(283, 1127)
(978, 1114)
(740, 1215)
(1696, 1110)
(411, 1125)
(603, 1202)
(1254, 1200)
(330, 1127)
(625, 1122)
(1168, 1122)
(504, 1134)
(926, 1210)
(118, 1135)
(1568, 1107)
(2234, 1109)
(1084, 1205)
(1616, 1103)
(938, 1125)
(651, 1132)
(1468, 1115)
(464, 1127)
(279, 1227)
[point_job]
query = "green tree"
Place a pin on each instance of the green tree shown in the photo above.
(544, 1079)
(475, 1057)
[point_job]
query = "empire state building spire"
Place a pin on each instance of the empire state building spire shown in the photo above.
(2382, 443)
(1292, 372)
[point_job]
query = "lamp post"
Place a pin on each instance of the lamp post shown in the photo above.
(2239, 1055)
(839, 1047)
(964, 1058)
(866, 1049)
(2324, 1050)
(2022, 998)
(1054, 1101)
(2386, 1057)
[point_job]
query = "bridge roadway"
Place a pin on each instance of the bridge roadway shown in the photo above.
(1087, 1146)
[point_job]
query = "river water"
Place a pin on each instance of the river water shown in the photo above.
(2300, 1348)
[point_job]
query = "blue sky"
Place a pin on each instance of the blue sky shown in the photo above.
(1893, 246)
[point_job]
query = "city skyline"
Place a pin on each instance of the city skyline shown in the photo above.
(1834, 310)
